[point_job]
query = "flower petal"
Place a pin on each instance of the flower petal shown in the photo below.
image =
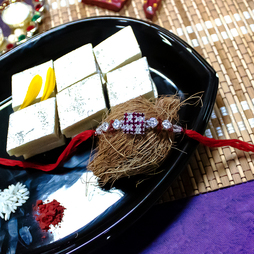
(33, 91)
(49, 84)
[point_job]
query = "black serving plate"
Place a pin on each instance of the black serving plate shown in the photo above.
(95, 216)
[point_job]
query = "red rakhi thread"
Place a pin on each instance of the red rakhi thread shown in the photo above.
(70, 148)
(134, 123)
(211, 142)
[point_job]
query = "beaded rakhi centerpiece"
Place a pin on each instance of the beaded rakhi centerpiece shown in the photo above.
(135, 138)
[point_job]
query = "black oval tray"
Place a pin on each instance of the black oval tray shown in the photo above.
(94, 216)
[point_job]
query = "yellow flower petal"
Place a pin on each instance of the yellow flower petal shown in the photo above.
(33, 91)
(49, 84)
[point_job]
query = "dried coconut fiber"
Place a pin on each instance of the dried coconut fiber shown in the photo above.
(123, 155)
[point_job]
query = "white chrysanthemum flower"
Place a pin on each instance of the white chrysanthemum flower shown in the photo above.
(11, 198)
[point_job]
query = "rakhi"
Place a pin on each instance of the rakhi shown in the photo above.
(132, 143)
(135, 123)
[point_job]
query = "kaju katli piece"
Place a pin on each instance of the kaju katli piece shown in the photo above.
(35, 88)
(81, 106)
(75, 66)
(130, 81)
(34, 129)
(110, 54)
(21, 81)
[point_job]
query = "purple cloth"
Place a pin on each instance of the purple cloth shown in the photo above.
(5, 28)
(217, 222)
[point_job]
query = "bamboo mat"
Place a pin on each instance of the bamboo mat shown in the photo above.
(222, 32)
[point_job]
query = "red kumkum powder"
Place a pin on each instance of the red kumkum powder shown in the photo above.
(49, 214)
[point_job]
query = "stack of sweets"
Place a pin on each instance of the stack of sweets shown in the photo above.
(79, 97)
(127, 73)
(33, 129)
(117, 50)
(81, 101)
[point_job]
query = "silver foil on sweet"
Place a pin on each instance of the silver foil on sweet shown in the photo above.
(31, 123)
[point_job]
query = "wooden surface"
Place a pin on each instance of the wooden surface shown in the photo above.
(222, 32)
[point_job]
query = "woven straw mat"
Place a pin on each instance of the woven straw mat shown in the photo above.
(222, 32)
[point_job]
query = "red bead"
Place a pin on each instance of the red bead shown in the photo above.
(111, 128)
(29, 28)
(9, 46)
(159, 126)
(38, 7)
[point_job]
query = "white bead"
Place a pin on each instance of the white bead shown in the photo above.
(138, 130)
(149, 8)
(98, 131)
(19, 32)
(177, 129)
(105, 126)
(140, 119)
(128, 127)
(12, 38)
(129, 117)
(116, 124)
(153, 122)
(166, 124)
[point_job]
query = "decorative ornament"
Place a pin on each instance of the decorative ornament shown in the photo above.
(11, 198)
(23, 20)
(136, 123)
(113, 5)
(150, 7)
